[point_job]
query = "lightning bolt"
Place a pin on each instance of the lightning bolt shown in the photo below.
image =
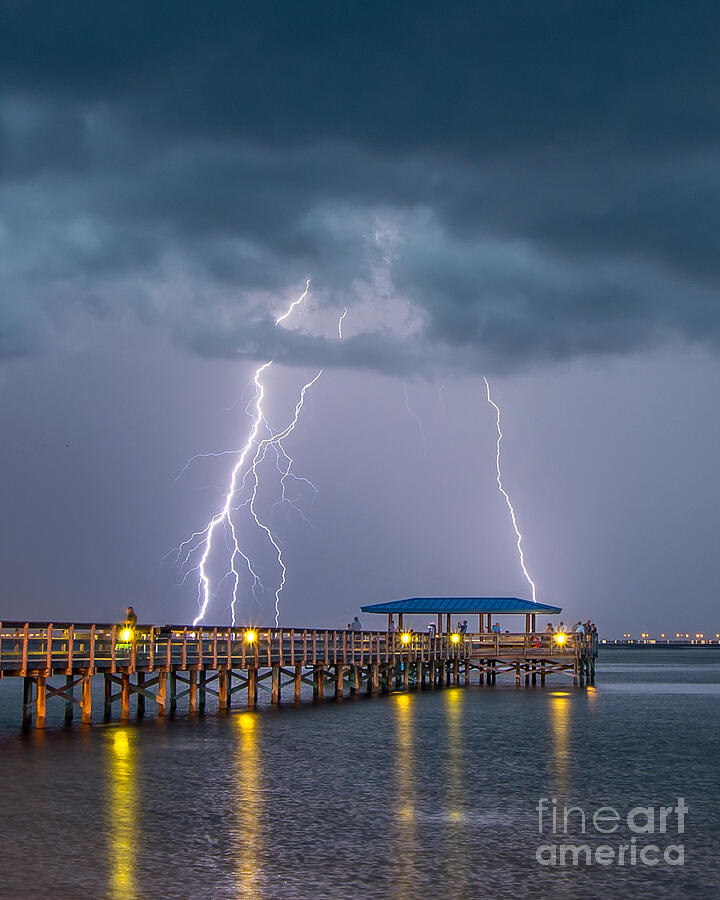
(504, 492)
(345, 312)
(417, 418)
(224, 520)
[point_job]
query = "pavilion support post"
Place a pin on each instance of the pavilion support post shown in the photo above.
(297, 696)
(202, 690)
(449, 623)
(222, 689)
(192, 692)
(252, 688)
(534, 622)
(489, 622)
(27, 701)
(481, 624)
(125, 695)
(69, 690)
(275, 685)
(400, 622)
(40, 700)
(86, 698)
(107, 710)
(439, 628)
(140, 695)
(527, 623)
(161, 696)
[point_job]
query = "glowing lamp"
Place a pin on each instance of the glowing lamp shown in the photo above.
(126, 634)
(560, 638)
(250, 637)
(455, 638)
(405, 638)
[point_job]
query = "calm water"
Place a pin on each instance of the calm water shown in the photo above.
(406, 796)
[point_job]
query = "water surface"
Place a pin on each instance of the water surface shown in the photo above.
(405, 796)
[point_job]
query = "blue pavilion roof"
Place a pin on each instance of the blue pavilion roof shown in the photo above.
(426, 605)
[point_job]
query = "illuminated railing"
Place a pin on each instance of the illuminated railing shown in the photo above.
(30, 646)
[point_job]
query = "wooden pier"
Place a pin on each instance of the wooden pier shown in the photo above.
(164, 664)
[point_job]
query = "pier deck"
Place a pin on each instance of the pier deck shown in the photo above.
(167, 663)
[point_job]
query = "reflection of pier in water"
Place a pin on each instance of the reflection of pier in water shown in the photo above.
(168, 664)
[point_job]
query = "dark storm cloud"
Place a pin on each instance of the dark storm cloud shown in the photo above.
(548, 171)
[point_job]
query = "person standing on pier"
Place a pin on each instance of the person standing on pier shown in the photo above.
(130, 618)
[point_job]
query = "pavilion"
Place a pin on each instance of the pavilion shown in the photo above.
(484, 607)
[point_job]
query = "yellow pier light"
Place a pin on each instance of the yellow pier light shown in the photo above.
(560, 638)
(405, 637)
(250, 636)
(454, 638)
(126, 635)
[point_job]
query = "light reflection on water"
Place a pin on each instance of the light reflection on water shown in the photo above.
(122, 807)
(404, 792)
(560, 722)
(248, 786)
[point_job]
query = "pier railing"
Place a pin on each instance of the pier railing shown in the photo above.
(67, 647)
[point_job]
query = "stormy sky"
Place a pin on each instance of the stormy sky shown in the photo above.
(523, 190)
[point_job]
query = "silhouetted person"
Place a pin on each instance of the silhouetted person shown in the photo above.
(130, 618)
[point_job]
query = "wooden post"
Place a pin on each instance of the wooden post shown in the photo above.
(400, 622)
(275, 685)
(252, 688)
(439, 628)
(202, 692)
(173, 692)
(481, 626)
(192, 692)
(527, 623)
(140, 696)
(467, 671)
(297, 694)
(339, 671)
(125, 695)
(223, 689)
(542, 672)
(107, 711)
(40, 698)
(318, 682)
(27, 702)
(431, 674)
(375, 678)
(456, 671)
(355, 683)
(69, 703)
(406, 675)
(161, 696)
